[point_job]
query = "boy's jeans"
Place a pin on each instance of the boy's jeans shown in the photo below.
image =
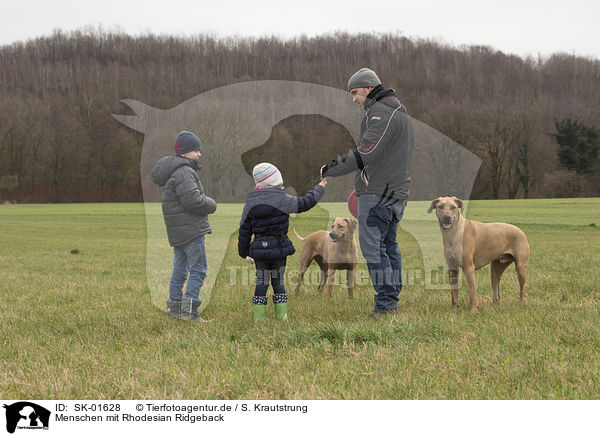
(378, 229)
(188, 258)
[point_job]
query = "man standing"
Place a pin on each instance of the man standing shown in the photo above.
(382, 161)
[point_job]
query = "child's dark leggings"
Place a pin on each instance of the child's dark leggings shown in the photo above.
(272, 271)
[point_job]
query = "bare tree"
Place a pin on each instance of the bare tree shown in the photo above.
(495, 149)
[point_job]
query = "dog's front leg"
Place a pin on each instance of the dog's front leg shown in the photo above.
(469, 271)
(453, 278)
(330, 279)
(322, 282)
(350, 280)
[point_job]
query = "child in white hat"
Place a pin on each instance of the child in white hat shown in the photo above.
(266, 216)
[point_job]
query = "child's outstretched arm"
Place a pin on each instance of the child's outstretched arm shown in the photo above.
(312, 198)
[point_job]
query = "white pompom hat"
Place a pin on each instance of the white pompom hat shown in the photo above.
(267, 175)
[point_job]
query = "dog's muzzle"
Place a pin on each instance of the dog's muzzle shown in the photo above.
(335, 238)
(446, 221)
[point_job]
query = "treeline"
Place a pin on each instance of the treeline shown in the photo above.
(59, 142)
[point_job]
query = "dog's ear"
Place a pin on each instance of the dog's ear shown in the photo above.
(433, 204)
(351, 224)
(459, 203)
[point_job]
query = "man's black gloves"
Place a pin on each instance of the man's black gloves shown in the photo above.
(326, 167)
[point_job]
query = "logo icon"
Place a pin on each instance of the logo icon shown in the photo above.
(26, 415)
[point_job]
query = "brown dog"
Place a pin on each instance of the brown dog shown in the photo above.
(471, 245)
(332, 251)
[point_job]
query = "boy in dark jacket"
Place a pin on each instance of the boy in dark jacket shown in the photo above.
(185, 211)
(266, 215)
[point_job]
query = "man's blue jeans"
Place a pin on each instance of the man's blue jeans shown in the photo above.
(190, 258)
(378, 229)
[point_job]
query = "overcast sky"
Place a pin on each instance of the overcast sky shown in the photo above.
(523, 27)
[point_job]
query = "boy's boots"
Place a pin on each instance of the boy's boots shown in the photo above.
(260, 308)
(189, 308)
(174, 308)
(280, 302)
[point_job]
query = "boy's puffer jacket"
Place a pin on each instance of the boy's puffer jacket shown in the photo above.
(184, 205)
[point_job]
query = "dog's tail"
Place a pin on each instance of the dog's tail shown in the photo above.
(296, 233)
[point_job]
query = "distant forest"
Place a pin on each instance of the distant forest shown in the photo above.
(59, 142)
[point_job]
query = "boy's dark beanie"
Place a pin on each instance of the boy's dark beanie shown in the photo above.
(186, 142)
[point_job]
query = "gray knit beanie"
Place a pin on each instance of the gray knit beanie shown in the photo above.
(186, 142)
(363, 78)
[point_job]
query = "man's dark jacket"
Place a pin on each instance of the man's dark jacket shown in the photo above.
(385, 148)
(267, 215)
(184, 205)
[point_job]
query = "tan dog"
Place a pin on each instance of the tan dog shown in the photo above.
(332, 251)
(471, 245)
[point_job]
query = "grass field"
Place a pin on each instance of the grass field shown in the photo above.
(77, 320)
